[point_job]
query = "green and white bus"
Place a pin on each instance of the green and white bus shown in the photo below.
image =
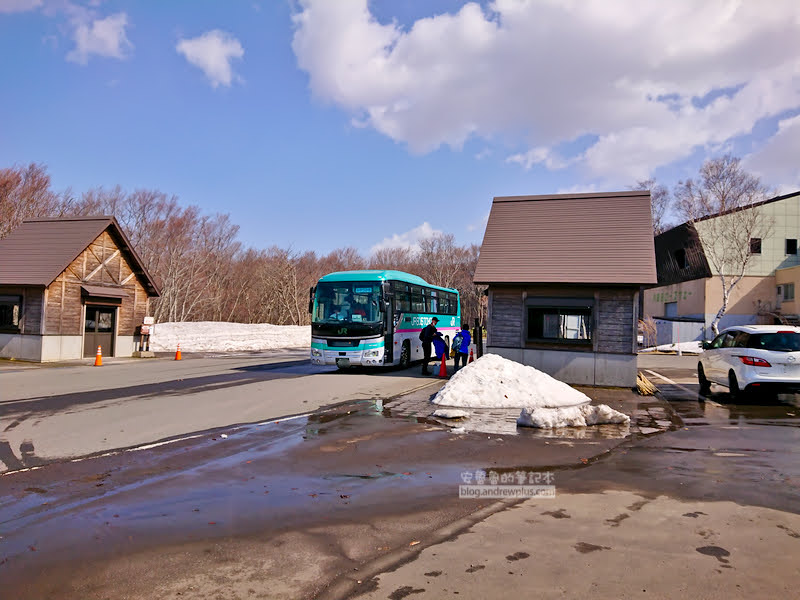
(373, 318)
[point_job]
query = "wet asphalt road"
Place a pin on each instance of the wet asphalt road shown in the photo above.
(285, 508)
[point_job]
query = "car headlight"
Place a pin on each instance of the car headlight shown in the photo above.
(315, 352)
(372, 353)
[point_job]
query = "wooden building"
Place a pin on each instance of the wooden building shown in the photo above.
(68, 286)
(564, 274)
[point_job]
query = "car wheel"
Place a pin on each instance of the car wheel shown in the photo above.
(405, 355)
(705, 384)
(733, 385)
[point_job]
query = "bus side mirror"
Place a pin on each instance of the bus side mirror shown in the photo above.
(311, 298)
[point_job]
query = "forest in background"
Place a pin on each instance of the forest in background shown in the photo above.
(206, 274)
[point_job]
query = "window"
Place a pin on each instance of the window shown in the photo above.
(755, 245)
(417, 299)
(10, 310)
(680, 258)
(560, 320)
(431, 302)
(670, 309)
(791, 246)
(788, 291)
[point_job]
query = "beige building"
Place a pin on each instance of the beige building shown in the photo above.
(690, 292)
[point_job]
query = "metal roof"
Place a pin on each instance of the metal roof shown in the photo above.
(39, 250)
(569, 238)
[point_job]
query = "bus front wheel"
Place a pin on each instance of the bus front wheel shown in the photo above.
(405, 355)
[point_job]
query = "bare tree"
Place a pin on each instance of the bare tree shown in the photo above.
(659, 203)
(25, 194)
(720, 204)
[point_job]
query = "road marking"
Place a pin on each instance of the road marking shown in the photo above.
(670, 382)
(660, 376)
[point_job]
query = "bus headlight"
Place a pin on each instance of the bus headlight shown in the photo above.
(372, 353)
(316, 352)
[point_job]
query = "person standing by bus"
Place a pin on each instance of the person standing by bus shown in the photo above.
(461, 345)
(426, 337)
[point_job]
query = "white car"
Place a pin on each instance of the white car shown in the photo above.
(752, 358)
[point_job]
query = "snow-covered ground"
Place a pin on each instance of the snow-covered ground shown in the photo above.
(684, 347)
(494, 382)
(212, 336)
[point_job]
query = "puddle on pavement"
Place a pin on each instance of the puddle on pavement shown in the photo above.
(723, 412)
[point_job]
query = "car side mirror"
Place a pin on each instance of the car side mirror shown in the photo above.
(706, 345)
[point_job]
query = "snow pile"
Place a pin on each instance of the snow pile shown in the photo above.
(684, 347)
(212, 336)
(571, 416)
(495, 382)
(450, 413)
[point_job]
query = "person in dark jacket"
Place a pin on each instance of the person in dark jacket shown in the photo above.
(461, 346)
(426, 336)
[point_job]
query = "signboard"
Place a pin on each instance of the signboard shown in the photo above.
(149, 320)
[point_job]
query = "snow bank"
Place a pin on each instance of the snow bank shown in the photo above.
(570, 416)
(495, 382)
(684, 347)
(212, 336)
(450, 413)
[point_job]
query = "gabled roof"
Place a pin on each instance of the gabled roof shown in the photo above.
(569, 238)
(40, 249)
(680, 255)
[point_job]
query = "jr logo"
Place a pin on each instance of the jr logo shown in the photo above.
(342, 331)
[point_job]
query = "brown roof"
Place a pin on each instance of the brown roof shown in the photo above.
(37, 251)
(569, 238)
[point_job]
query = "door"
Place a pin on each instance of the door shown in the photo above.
(98, 330)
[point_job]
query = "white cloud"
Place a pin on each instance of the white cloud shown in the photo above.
(213, 52)
(409, 239)
(12, 6)
(625, 73)
(481, 225)
(103, 37)
(776, 162)
(539, 155)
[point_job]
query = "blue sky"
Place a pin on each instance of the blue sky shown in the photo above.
(318, 124)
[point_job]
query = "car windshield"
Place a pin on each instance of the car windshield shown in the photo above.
(782, 341)
(355, 302)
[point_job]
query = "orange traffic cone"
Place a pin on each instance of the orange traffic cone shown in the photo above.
(471, 358)
(98, 359)
(443, 368)
(178, 353)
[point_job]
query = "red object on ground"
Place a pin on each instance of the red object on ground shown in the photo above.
(178, 353)
(471, 358)
(98, 359)
(443, 368)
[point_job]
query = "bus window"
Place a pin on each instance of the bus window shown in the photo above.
(444, 304)
(417, 299)
(431, 302)
(453, 304)
(402, 301)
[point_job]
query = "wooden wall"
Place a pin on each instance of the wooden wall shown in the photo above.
(614, 312)
(101, 264)
(506, 318)
(616, 325)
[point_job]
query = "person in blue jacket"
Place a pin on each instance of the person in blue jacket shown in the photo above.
(461, 346)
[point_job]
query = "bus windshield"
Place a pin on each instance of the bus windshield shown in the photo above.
(348, 302)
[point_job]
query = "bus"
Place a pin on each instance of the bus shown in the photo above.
(373, 318)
